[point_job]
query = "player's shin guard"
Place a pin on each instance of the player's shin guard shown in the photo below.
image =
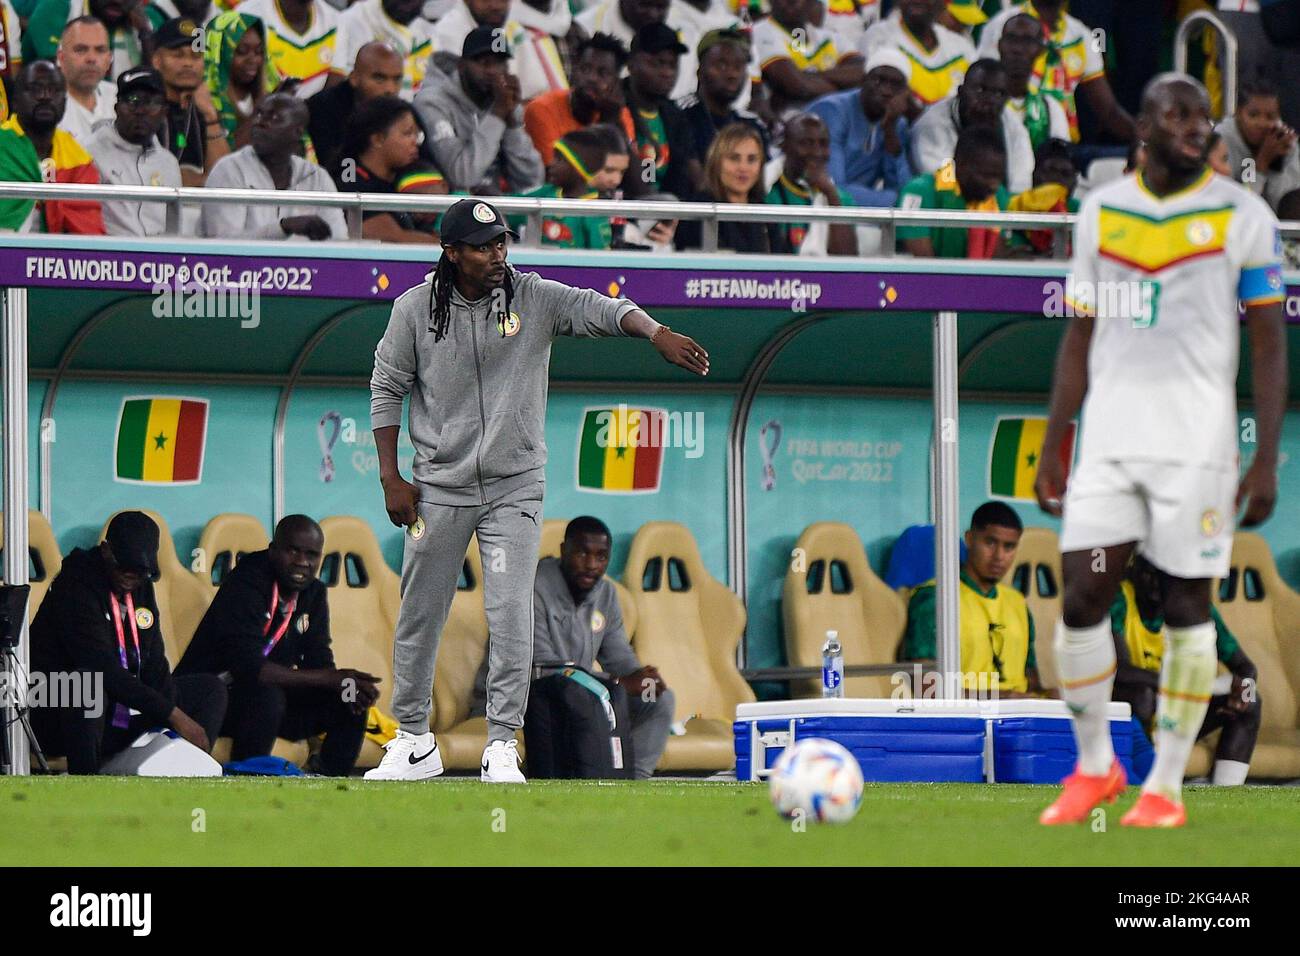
(1186, 680)
(1086, 656)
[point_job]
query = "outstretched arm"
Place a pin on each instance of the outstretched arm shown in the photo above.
(676, 348)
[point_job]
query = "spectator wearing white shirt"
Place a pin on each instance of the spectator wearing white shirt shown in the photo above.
(1074, 65)
(85, 59)
(11, 40)
(270, 162)
(1020, 47)
(395, 22)
(981, 100)
(534, 57)
(799, 61)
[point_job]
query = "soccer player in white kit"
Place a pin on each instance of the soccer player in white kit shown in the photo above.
(1161, 259)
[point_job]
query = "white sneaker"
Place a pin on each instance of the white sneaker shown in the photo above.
(501, 763)
(408, 757)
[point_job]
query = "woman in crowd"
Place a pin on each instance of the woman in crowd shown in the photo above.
(733, 173)
(237, 72)
(379, 150)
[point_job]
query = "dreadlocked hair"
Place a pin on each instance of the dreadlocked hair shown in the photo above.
(440, 289)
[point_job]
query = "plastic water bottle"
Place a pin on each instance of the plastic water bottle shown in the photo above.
(832, 666)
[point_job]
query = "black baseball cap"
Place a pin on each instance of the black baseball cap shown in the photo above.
(657, 37)
(483, 40)
(473, 221)
(138, 79)
(176, 32)
(133, 538)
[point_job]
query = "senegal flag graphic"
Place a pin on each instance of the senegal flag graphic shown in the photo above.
(1015, 453)
(621, 449)
(160, 440)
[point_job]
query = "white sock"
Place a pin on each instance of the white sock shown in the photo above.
(1229, 773)
(1185, 682)
(1086, 658)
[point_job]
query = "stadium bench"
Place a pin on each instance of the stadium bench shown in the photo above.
(688, 626)
(44, 558)
(361, 628)
(226, 538)
(833, 587)
(1036, 573)
(1264, 615)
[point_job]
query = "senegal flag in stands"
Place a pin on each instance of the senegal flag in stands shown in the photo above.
(621, 449)
(68, 163)
(160, 440)
(1017, 448)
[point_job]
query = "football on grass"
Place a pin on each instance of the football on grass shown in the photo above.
(818, 780)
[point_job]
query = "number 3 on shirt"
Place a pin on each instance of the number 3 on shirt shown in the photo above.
(1147, 305)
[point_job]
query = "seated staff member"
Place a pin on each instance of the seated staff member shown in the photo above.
(100, 619)
(577, 620)
(1136, 623)
(997, 631)
(267, 633)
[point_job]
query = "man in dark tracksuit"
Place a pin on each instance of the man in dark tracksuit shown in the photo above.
(471, 348)
(1137, 616)
(267, 633)
(100, 619)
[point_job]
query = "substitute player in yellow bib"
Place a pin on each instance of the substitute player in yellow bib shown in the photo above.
(1161, 260)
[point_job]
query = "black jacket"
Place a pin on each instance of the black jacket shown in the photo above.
(329, 113)
(73, 631)
(703, 126)
(681, 149)
(233, 634)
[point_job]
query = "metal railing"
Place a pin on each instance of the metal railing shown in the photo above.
(353, 204)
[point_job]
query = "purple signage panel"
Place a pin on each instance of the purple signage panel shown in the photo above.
(705, 285)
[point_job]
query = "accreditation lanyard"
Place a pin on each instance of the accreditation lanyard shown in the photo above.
(121, 714)
(270, 616)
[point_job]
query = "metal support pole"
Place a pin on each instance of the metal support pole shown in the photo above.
(1206, 20)
(946, 502)
(15, 493)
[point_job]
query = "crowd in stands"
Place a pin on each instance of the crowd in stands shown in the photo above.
(920, 104)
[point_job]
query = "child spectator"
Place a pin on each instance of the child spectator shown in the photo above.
(1262, 151)
(574, 173)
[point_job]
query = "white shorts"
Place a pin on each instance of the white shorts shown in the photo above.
(1182, 516)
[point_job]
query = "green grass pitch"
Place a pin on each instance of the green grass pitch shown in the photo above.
(321, 822)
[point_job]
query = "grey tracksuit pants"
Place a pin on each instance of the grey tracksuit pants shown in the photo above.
(509, 533)
(651, 721)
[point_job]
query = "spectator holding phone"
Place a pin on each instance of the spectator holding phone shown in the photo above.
(1262, 151)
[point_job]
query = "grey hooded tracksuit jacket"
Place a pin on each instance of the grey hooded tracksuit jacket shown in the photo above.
(477, 421)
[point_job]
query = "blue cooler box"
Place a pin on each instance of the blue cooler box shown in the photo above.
(925, 741)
